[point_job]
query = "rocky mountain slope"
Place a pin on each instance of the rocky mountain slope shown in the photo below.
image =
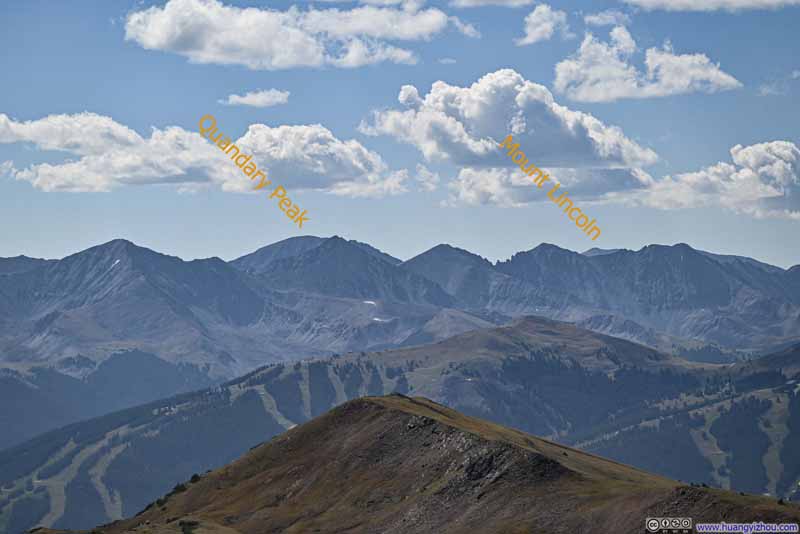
(669, 297)
(20, 264)
(257, 262)
(606, 395)
(399, 464)
(207, 321)
(338, 268)
(675, 290)
(204, 320)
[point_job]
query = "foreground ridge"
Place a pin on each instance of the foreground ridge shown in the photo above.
(400, 464)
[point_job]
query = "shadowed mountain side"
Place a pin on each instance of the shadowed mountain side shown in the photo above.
(311, 297)
(204, 318)
(397, 464)
(20, 264)
(60, 391)
(445, 324)
(117, 296)
(674, 291)
(538, 375)
(258, 261)
(41, 399)
(208, 314)
(787, 360)
(345, 269)
(680, 291)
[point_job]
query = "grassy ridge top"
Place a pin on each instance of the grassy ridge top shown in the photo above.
(401, 464)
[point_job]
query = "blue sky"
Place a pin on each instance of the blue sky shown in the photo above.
(99, 113)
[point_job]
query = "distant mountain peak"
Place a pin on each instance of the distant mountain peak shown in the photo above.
(594, 251)
(444, 250)
(375, 252)
(119, 246)
(680, 247)
(550, 247)
(259, 261)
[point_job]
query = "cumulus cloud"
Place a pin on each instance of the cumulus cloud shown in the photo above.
(602, 72)
(711, 5)
(311, 157)
(406, 4)
(258, 99)
(463, 125)
(763, 180)
(208, 31)
(510, 188)
(112, 155)
(83, 134)
(542, 23)
(494, 186)
(479, 3)
(609, 17)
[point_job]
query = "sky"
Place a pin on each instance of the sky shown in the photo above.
(666, 121)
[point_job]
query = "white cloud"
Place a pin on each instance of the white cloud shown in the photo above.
(780, 86)
(511, 188)
(258, 99)
(609, 17)
(112, 155)
(83, 134)
(711, 5)
(428, 180)
(480, 3)
(602, 72)
(7, 169)
(463, 125)
(357, 53)
(772, 89)
(370, 2)
(207, 31)
(494, 186)
(542, 23)
(311, 157)
(763, 181)
(467, 29)
(374, 22)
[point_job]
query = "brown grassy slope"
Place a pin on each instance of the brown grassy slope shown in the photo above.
(401, 465)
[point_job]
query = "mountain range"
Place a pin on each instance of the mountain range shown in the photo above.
(726, 425)
(408, 465)
(127, 313)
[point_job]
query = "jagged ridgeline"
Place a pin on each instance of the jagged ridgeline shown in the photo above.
(118, 325)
